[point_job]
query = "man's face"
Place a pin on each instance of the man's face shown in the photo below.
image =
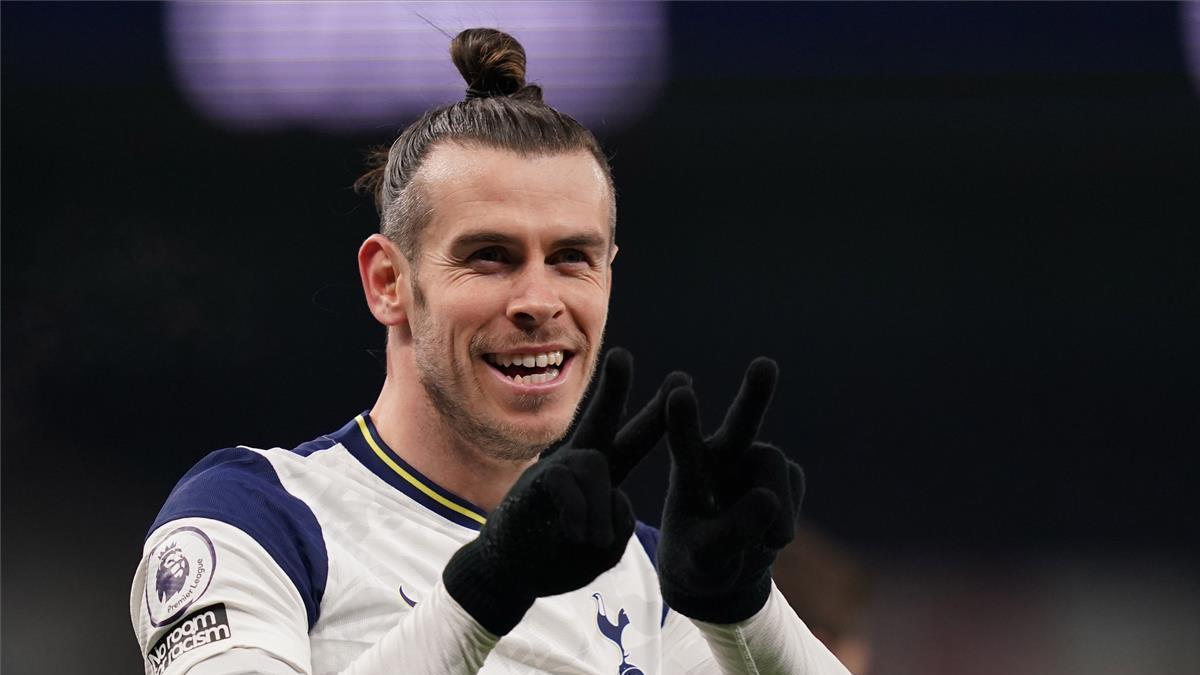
(511, 285)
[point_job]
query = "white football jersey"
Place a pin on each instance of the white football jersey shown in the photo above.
(327, 558)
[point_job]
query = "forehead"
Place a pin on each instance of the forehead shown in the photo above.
(471, 186)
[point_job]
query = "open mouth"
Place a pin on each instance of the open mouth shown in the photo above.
(529, 368)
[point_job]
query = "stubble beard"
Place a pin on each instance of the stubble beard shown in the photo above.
(446, 388)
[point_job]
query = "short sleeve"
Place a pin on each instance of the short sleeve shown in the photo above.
(204, 587)
(232, 561)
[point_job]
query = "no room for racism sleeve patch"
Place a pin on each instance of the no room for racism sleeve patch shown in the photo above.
(180, 570)
(202, 627)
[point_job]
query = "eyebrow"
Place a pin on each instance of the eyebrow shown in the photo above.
(493, 237)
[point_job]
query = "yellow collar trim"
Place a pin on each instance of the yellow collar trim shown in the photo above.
(412, 480)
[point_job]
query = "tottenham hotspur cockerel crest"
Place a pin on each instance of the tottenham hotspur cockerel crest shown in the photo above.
(613, 632)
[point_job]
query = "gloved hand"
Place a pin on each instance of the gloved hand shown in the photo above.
(731, 505)
(564, 522)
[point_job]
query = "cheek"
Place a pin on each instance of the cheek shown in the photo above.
(465, 313)
(591, 309)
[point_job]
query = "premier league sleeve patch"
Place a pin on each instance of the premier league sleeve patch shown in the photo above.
(179, 570)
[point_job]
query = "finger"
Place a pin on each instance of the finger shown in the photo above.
(744, 523)
(642, 432)
(600, 421)
(690, 481)
(746, 413)
(559, 485)
(796, 480)
(590, 469)
(683, 429)
(767, 468)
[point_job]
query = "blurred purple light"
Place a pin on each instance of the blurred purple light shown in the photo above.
(346, 66)
(1189, 19)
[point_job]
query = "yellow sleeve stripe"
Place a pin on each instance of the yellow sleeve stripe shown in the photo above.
(383, 456)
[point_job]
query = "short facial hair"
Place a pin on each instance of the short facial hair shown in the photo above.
(494, 438)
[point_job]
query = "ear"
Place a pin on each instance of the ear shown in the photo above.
(611, 257)
(385, 273)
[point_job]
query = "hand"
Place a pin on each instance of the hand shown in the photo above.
(731, 505)
(564, 522)
(600, 426)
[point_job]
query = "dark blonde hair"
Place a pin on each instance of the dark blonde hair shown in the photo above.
(500, 111)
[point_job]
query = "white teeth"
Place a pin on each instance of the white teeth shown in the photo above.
(536, 378)
(554, 358)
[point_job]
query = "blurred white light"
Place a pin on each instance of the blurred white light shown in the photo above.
(351, 65)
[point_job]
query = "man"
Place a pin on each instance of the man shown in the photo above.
(425, 536)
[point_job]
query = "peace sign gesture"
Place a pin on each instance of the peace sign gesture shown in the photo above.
(565, 521)
(731, 506)
(600, 427)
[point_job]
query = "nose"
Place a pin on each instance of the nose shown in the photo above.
(535, 299)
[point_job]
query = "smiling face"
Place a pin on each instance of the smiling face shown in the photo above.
(510, 289)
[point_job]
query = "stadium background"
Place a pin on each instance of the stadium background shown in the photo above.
(968, 232)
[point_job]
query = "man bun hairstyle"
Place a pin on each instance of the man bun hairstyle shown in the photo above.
(492, 63)
(500, 111)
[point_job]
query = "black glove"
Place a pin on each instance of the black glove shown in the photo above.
(731, 506)
(564, 522)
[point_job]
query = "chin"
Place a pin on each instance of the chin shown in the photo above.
(519, 445)
(512, 433)
(541, 429)
(548, 435)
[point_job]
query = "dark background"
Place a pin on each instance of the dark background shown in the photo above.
(967, 232)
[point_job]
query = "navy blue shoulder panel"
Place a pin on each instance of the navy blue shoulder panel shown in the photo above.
(648, 536)
(240, 487)
(319, 443)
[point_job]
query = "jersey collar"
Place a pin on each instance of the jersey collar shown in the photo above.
(361, 438)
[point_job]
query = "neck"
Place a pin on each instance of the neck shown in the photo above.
(410, 425)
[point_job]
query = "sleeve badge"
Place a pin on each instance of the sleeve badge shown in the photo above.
(179, 570)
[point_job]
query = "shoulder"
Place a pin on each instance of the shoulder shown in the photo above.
(231, 485)
(240, 487)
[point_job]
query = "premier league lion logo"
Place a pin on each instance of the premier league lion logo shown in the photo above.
(172, 573)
